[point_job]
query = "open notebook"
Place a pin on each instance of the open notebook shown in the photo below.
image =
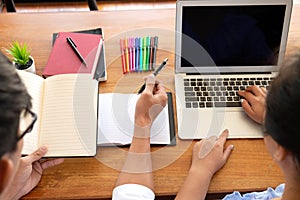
(116, 121)
(66, 106)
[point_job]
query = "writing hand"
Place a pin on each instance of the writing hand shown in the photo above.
(151, 102)
(254, 102)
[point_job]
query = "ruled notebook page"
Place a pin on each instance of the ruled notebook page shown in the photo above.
(35, 87)
(69, 124)
(116, 121)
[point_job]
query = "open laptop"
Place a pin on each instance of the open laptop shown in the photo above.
(223, 46)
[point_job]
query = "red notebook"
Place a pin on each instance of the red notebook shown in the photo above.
(64, 60)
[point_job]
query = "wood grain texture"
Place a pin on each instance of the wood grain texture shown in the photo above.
(249, 167)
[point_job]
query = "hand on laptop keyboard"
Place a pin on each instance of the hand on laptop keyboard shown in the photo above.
(254, 102)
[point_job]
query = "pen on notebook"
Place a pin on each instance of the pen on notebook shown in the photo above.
(162, 65)
(74, 47)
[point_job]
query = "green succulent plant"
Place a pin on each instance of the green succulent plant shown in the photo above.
(20, 54)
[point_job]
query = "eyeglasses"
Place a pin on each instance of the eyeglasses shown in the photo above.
(26, 123)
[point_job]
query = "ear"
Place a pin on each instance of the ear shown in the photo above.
(279, 153)
(6, 172)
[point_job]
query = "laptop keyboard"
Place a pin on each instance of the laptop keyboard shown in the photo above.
(218, 92)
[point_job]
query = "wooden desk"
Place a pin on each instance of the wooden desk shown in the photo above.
(249, 167)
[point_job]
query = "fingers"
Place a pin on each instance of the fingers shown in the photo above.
(247, 107)
(150, 83)
(153, 85)
(252, 92)
(38, 154)
(160, 89)
(254, 89)
(264, 90)
(51, 163)
(227, 152)
(224, 136)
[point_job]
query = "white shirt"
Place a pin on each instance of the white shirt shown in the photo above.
(132, 192)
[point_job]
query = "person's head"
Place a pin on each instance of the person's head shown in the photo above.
(15, 103)
(282, 121)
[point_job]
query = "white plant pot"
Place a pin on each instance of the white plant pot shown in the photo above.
(31, 68)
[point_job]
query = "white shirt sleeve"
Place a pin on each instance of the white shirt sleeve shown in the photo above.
(132, 192)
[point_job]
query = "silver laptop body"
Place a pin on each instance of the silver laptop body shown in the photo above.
(225, 40)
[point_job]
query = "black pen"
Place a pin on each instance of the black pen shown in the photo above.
(73, 45)
(162, 65)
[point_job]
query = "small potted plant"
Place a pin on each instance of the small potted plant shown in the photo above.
(21, 57)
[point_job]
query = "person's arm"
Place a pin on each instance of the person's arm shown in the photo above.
(29, 173)
(203, 167)
(254, 102)
(137, 168)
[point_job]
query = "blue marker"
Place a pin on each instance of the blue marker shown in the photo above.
(141, 54)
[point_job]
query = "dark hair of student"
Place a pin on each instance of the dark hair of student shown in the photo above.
(282, 119)
(13, 100)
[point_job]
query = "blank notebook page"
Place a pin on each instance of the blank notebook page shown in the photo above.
(116, 120)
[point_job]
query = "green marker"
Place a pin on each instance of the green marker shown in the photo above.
(144, 53)
(148, 53)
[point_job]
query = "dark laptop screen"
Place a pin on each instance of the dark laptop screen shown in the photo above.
(232, 35)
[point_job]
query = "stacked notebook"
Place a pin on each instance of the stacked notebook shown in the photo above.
(64, 60)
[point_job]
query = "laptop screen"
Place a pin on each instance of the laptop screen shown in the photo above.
(231, 36)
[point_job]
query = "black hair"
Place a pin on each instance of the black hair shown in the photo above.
(14, 98)
(282, 121)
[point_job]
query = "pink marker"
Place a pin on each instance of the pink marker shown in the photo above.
(122, 48)
(130, 53)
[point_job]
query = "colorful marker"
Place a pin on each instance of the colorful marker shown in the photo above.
(151, 53)
(126, 55)
(141, 54)
(154, 51)
(144, 53)
(122, 48)
(148, 54)
(137, 55)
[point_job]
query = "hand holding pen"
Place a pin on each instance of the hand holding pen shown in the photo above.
(162, 65)
(149, 105)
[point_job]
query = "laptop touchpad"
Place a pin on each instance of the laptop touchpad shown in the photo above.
(238, 124)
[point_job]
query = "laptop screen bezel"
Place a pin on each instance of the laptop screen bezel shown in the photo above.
(227, 69)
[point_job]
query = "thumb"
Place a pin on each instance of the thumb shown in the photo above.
(38, 154)
(227, 152)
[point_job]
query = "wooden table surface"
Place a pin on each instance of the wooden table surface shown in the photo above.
(249, 168)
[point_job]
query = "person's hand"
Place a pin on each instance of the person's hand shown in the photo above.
(254, 102)
(213, 160)
(30, 171)
(151, 102)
